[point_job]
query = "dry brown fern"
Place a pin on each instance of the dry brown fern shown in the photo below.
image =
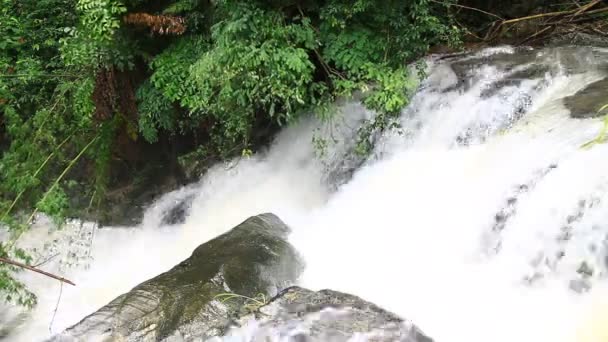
(161, 24)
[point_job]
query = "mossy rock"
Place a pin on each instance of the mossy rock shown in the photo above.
(253, 258)
(325, 315)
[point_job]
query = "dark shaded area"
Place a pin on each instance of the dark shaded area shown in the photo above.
(4, 142)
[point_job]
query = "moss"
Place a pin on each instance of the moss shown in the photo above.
(250, 259)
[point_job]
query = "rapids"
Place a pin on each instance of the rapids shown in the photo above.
(483, 219)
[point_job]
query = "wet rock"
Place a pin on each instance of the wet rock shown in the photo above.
(253, 258)
(194, 164)
(585, 270)
(526, 64)
(466, 68)
(514, 79)
(579, 285)
(178, 213)
(587, 102)
(492, 239)
(298, 314)
(578, 38)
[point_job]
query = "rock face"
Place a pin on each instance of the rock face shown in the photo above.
(298, 314)
(579, 38)
(253, 258)
(587, 102)
(220, 294)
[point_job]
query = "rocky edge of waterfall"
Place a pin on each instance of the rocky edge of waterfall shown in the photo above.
(240, 284)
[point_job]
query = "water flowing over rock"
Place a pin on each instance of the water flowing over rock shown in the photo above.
(252, 262)
(298, 314)
(488, 198)
(253, 258)
(177, 214)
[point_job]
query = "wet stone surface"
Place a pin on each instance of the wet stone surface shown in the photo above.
(252, 258)
(587, 102)
(299, 314)
(178, 213)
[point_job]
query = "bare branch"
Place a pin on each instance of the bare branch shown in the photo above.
(56, 308)
(587, 6)
(33, 269)
(46, 260)
(469, 8)
(537, 16)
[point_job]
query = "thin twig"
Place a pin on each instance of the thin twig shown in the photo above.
(56, 308)
(586, 16)
(537, 16)
(40, 75)
(46, 194)
(586, 7)
(598, 31)
(599, 10)
(535, 35)
(469, 8)
(35, 175)
(46, 260)
(567, 16)
(328, 70)
(583, 17)
(463, 27)
(65, 171)
(33, 269)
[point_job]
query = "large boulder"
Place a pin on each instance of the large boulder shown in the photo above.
(301, 315)
(587, 102)
(252, 259)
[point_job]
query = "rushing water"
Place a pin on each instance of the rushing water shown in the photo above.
(482, 220)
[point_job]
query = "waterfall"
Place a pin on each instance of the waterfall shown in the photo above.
(481, 219)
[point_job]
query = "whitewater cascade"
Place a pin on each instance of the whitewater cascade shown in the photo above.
(482, 219)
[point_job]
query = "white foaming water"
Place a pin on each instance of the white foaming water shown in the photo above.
(415, 229)
(287, 181)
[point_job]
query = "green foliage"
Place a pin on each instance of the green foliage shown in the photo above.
(93, 41)
(46, 110)
(13, 290)
(181, 6)
(170, 83)
(279, 60)
(155, 112)
(257, 65)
